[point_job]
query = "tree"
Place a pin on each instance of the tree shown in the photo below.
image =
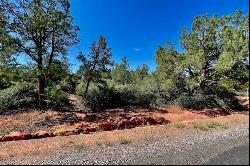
(8, 71)
(203, 48)
(215, 47)
(140, 72)
(59, 71)
(96, 62)
(41, 30)
(167, 61)
(233, 64)
(120, 73)
(5, 45)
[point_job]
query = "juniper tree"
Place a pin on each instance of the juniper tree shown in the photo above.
(96, 62)
(41, 30)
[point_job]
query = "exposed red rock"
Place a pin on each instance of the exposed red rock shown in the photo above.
(68, 133)
(161, 120)
(78, 130)
(106, 126)
(151, 121)
(124, 124)
(215, 112)
(26, 136)
(13, 136)
(136, 121)
(90, 129)
(42, 134)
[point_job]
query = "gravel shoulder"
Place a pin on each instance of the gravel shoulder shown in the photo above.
(196, 147)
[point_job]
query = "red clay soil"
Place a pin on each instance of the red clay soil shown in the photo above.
(52, 123)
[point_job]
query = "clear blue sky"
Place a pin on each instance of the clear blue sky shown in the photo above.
(134, 28)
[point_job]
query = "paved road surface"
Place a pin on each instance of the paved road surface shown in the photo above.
(235, 156)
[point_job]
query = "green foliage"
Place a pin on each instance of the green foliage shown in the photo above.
(167, 59)
(140, 73)
(69, 84)
(101, 96)
(55, 96)
(214, 62)
(120, 73)
(42, 30)
(212, 97)
(130, 95)
(98, 98)
(58, 72)
(18, 96)
(5, 131)
(96, 63)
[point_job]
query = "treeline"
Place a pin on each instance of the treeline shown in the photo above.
(214, 62)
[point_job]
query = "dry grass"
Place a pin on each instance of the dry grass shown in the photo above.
(209, 124)
(79, 146)
(124, 140)
(214, 124)
(179, 125)
(147, 134)
(198, 124)
(6, 131)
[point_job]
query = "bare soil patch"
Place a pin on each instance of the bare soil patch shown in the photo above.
(51, 120)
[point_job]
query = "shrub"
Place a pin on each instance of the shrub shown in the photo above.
(111, 95)
(211, 97)
(149, 92)
(132, 95)
(55, 96)
(68, 84)
(18, 96)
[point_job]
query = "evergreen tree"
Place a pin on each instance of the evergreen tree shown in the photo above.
(41, 30)
(120, 73)
(96, 62)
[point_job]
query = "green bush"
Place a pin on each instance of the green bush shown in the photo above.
(102, 96)
(211, 97)
(20, 95)
(68, 84)
(55, 96)
(197, 102)
(148, 92)
(224, 97)
(131, 95)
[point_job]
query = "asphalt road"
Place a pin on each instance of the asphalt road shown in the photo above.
(235, 156)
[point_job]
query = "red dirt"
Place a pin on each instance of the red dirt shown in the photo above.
(69, 122)
(52, 120)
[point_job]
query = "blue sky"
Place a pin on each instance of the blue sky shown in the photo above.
(135, 28)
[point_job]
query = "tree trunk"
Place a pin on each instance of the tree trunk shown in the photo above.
(204, 77)
(41, 83)
(87, 87)
(41, 91)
